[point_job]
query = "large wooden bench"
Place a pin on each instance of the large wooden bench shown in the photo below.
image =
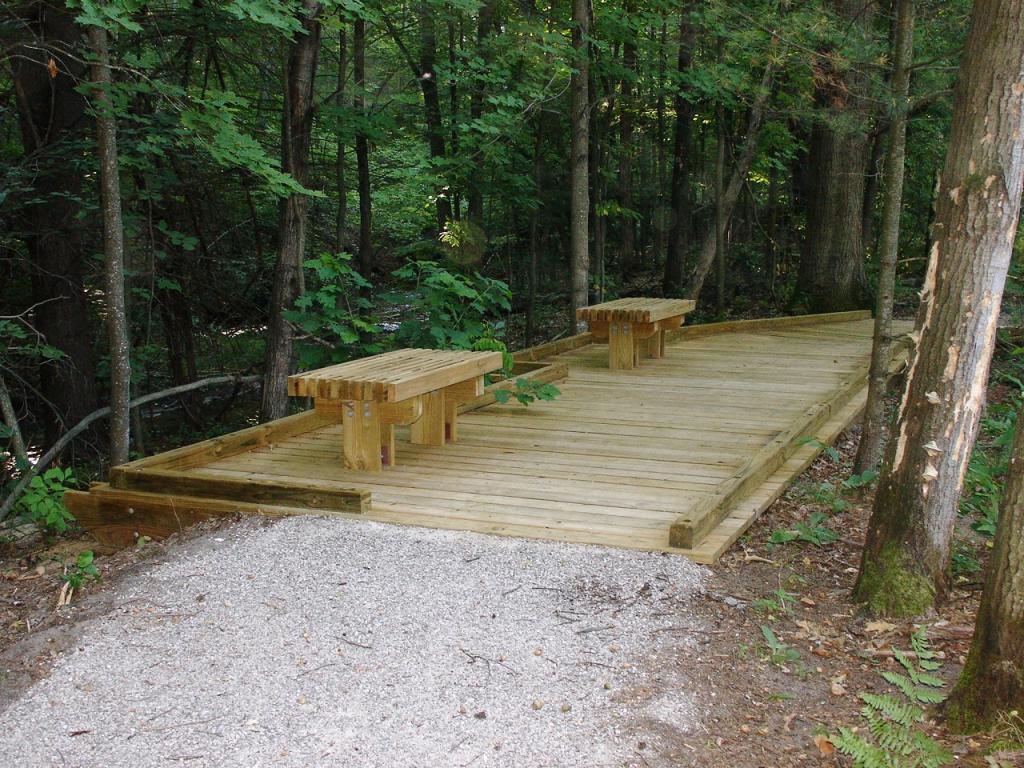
(634, 325)
(418, 387)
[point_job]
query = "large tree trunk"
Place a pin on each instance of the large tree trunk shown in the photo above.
(297, 123)
(832, 272)
(993, 678)
(363, 154)
(679, 197)
(906, 558)
(51, 114)
(727, 201)
(869, 452)
(113, 249)
(579, 206)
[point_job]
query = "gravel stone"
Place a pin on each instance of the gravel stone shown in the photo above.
(318, 642)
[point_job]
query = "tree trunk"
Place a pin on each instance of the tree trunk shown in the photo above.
(51, 116)
(10, 420)
(719, 223)
(432, 106)
(732, 192)
(113, 249)
(485, 23)
(627, 242)
(832, 272)
(679, 197)
(906, 559)
(579, 206)
(869, 452)
(339, 163)
(293, 210)
(992, 680)
(362, 153)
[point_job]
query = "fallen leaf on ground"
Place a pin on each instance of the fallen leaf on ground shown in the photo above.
(879, 626)
(824, 745)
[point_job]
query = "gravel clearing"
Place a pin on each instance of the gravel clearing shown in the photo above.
(318, 642)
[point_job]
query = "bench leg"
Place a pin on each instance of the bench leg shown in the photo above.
(622, 349)
(387, 445)
(428, 429)
(656, 345)
(361, 435)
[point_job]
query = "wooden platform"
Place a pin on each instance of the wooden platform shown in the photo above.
(679, 455)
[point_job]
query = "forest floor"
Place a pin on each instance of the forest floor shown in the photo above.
(544, 654)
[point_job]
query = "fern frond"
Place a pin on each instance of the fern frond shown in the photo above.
(895, 710)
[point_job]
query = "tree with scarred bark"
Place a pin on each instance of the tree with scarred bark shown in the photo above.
(905, 565)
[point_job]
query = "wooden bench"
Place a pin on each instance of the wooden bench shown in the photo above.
(634, 325)
(419, 387)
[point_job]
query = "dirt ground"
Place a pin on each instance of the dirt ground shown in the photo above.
(761, 713)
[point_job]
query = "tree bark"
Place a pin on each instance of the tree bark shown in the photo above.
(679, 197)
(832, 273)
(362, 153)
(627, 242)
(10, 420)
(339, 162)
(52, 116)
(293, 210)
(485, 24)
(905, 566)
(720, 223)
(992, 680)
(734, 188)
(113, 249)
(869, 452)
(579, 184)
(432, 106)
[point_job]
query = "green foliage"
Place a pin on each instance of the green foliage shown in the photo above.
(781, 601)
(825, 448)
(810, 531)
(81, 571)
(333, 313)
(43, 500)
(527, 391)
(448, 310)
(778, 653)
(894, 738)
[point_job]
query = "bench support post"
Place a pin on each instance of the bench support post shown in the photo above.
(428, 429)
(361, 435)
(621, 346)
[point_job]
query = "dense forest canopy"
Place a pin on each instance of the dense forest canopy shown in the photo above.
(424, 151)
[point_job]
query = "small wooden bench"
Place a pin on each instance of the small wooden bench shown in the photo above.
(419, 387)
(634, 324)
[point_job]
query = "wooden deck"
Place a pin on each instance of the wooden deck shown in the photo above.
(679, 455)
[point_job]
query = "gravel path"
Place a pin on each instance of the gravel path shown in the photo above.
(312, 642)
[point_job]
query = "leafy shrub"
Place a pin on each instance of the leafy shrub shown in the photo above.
(43, 500)
(811, 531)
(448, 310)
(81, 571)
(333, 313)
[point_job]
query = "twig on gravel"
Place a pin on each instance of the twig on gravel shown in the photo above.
(353, 642)
(512, 591)
(596, 629)
(474, 657)
(315, 669)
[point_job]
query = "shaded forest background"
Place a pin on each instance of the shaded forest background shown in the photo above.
(734, 154)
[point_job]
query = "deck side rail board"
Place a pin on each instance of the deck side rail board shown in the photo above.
(312, 493)
(691, 528)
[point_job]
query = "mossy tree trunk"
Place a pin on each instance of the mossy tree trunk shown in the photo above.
(993, 678)
(905, 565)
